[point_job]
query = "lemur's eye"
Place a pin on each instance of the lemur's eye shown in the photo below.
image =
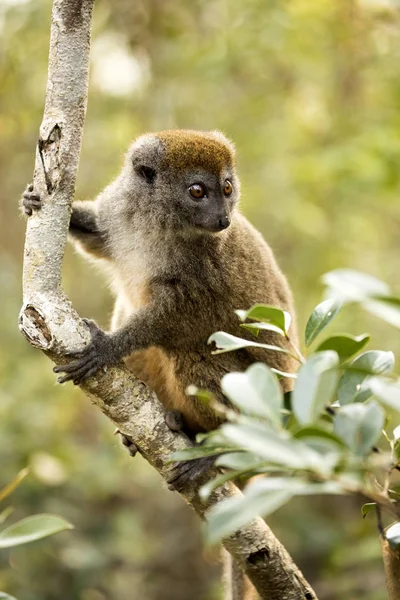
(228, 188)
(198, 191)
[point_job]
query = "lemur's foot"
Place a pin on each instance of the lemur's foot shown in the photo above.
(175, 421)
(129, 445)
(30, 200)
(190, 472)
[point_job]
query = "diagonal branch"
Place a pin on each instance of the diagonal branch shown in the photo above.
(49, 322)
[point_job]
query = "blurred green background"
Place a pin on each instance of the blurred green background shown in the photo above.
(309, 90)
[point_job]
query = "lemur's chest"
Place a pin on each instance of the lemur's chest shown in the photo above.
(135, 265)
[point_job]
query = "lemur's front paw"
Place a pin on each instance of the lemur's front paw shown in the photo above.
(30, 200)
(97, 355)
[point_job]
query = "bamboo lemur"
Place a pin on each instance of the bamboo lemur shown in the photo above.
(181, 258)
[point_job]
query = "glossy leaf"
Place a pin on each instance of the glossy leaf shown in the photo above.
(31, 529)
(262, 497)
(197, 452)
(238, 461)
(4, 596)
(273, 447)
(320, 318)
(226, 342)
(353, 385)
(386, 391)
(359, 426)
(313, 432)
(283, 374)
(354, 286)
(367, 508)
(345, 345)
(217, 482)
(271, 315)
(255, 392)
(315, 386)
(393, 535)
(387, 309)
(255, 328)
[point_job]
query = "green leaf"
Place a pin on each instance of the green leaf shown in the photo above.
(354, 286)
(315, 386)
(197, 452)
(314, 433)
(4, 596)
(354, 384)
(345, 345)
(386, 390)
(366, 508)
(255, 392)
(320, 318)
(238, 461)
(281, 374)
(255, 328)
(13, 484)
(373, 294)
(359, 426)
(262, 497)
(271, 315)
(226, 342)
(393, 535)
(31, 529)
(273, 447)
(217, 482)
(387, 309)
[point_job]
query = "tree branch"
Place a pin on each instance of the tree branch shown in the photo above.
(49, 322)
(391, 562)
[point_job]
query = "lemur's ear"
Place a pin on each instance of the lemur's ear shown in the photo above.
(147, 173)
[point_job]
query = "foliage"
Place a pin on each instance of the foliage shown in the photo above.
(339, 412)
(29, 529)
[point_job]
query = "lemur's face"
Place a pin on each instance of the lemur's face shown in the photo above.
(186, 180)
(207, 199)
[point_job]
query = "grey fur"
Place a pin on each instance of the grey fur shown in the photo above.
(176, 279)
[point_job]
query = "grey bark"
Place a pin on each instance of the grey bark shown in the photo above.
(391, 562)
(50, 323)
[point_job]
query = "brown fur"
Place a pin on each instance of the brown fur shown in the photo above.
(177, 277)
(176, 284)
(185, 149)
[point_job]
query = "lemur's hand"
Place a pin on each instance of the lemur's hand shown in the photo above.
(99, 353)
(30, 201)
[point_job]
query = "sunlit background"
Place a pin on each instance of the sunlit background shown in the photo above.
(310, 93)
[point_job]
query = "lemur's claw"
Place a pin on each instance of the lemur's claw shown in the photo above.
(189, 472)
(85, 363)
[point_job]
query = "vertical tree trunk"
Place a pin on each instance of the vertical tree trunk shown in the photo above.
(391, 562)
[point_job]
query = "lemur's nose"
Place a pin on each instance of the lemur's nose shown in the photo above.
(224, 222)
